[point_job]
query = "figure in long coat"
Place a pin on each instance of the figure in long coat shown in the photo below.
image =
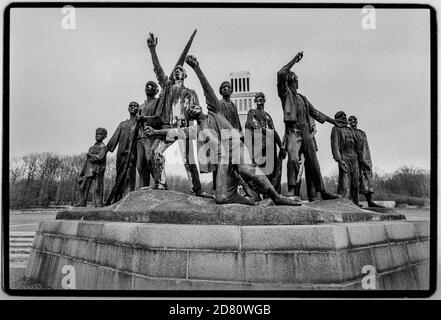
(365, 164)
(124, 137)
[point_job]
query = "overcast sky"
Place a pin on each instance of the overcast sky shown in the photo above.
(66, 83)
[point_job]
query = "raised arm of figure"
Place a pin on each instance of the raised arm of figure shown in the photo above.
(282, 75)
(212, 102)
(159, 72)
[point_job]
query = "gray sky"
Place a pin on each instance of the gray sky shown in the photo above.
(66, 83)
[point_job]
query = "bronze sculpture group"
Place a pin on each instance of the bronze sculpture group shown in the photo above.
(236, 157)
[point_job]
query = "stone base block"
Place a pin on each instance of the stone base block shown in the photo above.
(383, 255)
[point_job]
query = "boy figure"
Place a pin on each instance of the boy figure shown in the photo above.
(93, 170)
(125, 137)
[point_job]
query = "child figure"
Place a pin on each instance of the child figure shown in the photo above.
(93, 170)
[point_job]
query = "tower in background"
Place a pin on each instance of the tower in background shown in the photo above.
(242, 95)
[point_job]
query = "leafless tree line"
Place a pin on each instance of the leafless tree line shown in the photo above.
(408, 184)
(43, 179)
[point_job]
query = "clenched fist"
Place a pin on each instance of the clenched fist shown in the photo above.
(192, 61)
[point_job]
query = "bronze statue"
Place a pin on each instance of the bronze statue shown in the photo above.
(147, 117)
(346, 151)
(365, 164)
(229, 110)
(93, 170)
(212, 127)
(297, 111)
(125, 137)
(260, 120)
(176, 98)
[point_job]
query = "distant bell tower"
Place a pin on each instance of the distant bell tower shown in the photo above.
(242, 95)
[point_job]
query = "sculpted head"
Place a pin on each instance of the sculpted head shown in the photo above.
(259, 99)
(225, 89)
(179, 73)
(151, 89)
(100, 134)
(340, 116)
(133, 107)
(353, 122)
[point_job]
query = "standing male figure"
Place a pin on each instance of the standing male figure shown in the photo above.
(365, 164)
(346, 151)
(93, 170)
(175, 100)
(147, 117)
(296, 113)
(229, 110)
(260, 120)
(125, 137)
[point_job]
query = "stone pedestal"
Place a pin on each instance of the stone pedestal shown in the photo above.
(235, 256)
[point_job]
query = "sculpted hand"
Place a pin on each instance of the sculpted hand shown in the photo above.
(298, 57)
(192, 61)
(340, 123)
(149, 131)
(152, 41)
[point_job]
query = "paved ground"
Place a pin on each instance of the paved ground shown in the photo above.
(27, 221)
(415, 213)
(24, 222)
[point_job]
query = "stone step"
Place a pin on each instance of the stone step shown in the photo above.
(20, 244)
(23, 234)
(19, 251)
(18, 256)
(17, 264)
